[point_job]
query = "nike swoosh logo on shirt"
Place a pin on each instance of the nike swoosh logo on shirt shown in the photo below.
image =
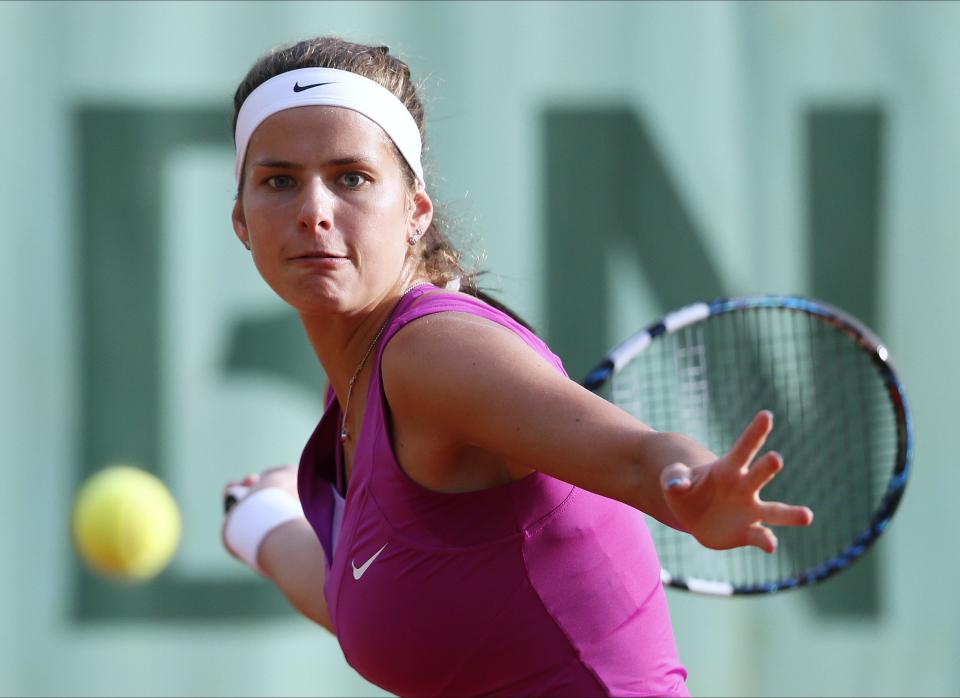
(358, 571)
(298, 88)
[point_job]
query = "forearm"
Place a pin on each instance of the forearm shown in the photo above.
(294, 560)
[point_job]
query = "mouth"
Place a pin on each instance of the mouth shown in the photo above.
(318, 256)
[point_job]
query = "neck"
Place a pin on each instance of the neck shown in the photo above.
(340, 340)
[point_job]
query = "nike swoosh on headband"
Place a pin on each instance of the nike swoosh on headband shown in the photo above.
(297, 88)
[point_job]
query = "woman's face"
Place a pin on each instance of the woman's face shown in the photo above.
(325, 209)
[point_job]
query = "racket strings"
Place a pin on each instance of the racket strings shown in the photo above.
(835, 428)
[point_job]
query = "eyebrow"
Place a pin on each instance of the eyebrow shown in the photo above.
(280, 164)
(288, 165)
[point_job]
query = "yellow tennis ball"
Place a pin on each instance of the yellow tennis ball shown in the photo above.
(126, 524)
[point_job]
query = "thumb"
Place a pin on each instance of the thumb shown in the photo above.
(675, 479)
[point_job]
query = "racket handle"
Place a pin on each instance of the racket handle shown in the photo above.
(233, 495)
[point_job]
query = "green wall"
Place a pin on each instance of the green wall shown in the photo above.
(627, 157)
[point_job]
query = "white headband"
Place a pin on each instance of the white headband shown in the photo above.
(330, 87)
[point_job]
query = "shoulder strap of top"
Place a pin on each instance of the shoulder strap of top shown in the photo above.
(428, 299)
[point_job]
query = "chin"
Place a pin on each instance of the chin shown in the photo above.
(309, 295)
(315, 304)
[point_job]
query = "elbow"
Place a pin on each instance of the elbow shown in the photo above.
(321, 618)
(316, 612)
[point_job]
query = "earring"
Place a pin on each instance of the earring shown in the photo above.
(247, 245)
(413, 239)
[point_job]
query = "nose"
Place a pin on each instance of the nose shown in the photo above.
(316, 208)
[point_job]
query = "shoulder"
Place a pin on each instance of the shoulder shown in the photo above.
(453, 353)
(453, 319)
(452, 338)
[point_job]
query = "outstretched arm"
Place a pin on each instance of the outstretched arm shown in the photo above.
(476, 383)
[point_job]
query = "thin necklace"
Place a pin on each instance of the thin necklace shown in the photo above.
(344, 434)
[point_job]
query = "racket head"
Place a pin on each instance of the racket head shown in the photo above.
(842, 424)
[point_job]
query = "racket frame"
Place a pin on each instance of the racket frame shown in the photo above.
(867, 341)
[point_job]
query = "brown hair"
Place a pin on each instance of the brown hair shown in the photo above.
(440, 260)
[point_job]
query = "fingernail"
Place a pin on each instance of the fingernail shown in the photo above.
(675, 482)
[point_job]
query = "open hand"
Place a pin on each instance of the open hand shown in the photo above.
(719, 503)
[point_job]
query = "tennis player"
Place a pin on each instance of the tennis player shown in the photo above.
(465, 518)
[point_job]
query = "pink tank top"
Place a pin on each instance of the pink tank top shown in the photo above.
(533, 588)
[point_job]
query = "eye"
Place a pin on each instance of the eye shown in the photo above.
(354, 180)
(280, 182)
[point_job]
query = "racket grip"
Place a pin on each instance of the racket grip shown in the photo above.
(232, 496)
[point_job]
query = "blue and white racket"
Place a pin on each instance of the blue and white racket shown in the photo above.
(842, 426)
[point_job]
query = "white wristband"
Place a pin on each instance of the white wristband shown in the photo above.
(254, 516)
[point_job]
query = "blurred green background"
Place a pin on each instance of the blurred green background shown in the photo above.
(608, 162)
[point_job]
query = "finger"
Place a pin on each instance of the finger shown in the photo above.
(752, 439)
(251, 479)
(780, 514)
(763, 470)
(675, 478)
(274, 469)
(762, 537)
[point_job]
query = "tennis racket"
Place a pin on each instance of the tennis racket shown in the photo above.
(233, 496)
(842, 426)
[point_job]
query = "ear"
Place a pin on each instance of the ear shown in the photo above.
(240, 224)
(422, 213)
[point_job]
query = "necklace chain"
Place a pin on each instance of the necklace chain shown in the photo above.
(344, 434)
